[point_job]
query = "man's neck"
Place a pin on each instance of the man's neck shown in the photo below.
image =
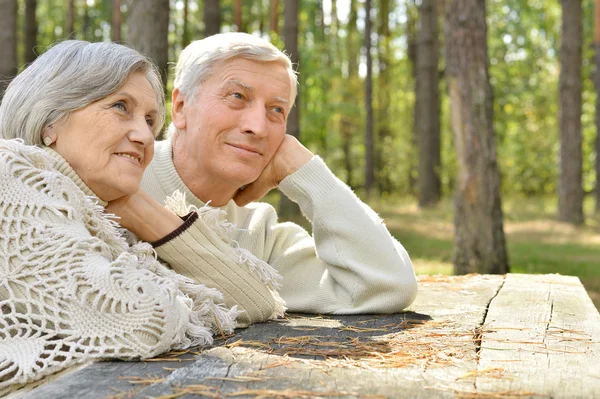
(204, 187)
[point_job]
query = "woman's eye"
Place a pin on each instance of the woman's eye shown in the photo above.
(120, 105)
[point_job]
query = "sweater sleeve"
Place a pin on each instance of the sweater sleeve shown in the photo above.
(350, 265)
(72, 290)
(202, 254)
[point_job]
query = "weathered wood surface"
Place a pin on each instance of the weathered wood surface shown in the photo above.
(480, 336)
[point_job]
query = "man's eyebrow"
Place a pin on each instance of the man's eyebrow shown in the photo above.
(251, 89)
(238, 83)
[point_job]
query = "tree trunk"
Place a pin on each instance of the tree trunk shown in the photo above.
(427, 104)
(570, 190)
(212, 17)
(274, 20)
(369, 139)
(30, 39)
(346, 120)
(479, 235)
(411, 29)
(597, 87)
(185, 28)
(148, 23)
(237, 15)
(287, 208)
(383, 95)
(71, 20)
(115, 33)
(8, 38)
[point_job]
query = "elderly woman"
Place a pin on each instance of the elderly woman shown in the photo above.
(76, 132)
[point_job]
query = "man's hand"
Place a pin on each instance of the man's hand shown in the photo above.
(289, 157)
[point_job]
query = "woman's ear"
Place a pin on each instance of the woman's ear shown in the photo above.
(178, 109)
(48, 135)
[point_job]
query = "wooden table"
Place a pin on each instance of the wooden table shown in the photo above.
(474, 336)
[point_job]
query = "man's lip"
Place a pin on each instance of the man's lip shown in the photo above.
(245, 147)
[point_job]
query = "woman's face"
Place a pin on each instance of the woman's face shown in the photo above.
(109, 143)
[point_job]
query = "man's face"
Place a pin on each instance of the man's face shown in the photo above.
(236, 120)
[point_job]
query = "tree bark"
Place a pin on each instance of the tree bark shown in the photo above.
(274, 19)
(346, 125)
(411, 33)
(597, 87)
(185, 28)
(479, 234)
(8, 38)
(212, 17)
(427, 102)
(237, 15)
(369, 139)
(384, 101)
(288, 208)
(115, 32)
(570, 189)
(30, 39)
(148, 23)
(71, 20)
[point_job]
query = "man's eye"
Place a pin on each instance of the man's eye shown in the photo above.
(236, 95)
(150, 121)
(279, 110)
(120, 105)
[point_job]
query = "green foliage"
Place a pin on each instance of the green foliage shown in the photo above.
(523, 39)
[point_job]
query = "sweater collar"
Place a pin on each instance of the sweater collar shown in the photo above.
(64, 168)
(170, 180)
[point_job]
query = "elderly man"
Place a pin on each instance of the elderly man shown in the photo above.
(228, 146)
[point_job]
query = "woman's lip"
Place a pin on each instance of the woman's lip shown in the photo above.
(131, 157)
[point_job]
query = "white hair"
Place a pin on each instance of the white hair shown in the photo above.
(70, 76)
(201, 57)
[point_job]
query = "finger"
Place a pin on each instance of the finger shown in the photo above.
(252, 192)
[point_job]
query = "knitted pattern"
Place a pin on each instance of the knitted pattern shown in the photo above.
(72, 289)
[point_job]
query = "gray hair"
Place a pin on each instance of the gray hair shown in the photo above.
(200, 58)
(70, 76)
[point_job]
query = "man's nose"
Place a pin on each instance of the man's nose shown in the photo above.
(255, 120)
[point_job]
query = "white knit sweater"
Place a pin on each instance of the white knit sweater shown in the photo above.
(72, 289)
(350, 265)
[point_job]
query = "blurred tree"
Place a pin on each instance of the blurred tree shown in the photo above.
(383, 99)
(212, 17)
(288, 208)
(348, 92)
(237, 15)
(427, 105)
(185, 28)
(369, 139)
(597, 87)
(412, 18)
(8, 38)
(274, 17)
(478, 221)
(148, 23)
(115, 30)
(30, 28)
(71, 20)
(570, 190)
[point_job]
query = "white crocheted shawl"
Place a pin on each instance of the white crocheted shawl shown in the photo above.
(72, 289)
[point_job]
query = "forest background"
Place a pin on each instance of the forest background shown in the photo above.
(379, 111)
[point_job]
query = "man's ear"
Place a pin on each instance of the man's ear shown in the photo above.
(178, 109)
